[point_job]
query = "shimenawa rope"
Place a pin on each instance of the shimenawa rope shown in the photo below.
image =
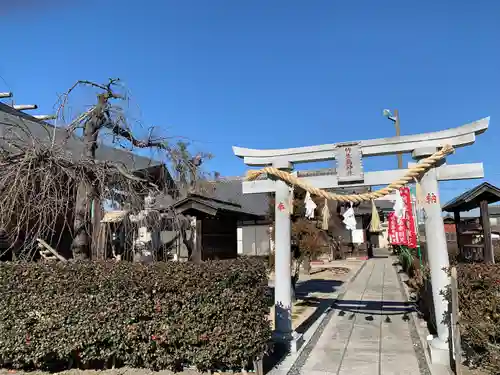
(412, 174)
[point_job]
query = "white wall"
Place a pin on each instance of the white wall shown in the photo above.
(239, 238)
(178, 246)
(383, 241)
(346, 234)
(253, 239)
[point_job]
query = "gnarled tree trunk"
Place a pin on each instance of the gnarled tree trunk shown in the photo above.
(86, 193)
(81, 241)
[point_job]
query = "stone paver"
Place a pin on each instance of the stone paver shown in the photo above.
(370, 331)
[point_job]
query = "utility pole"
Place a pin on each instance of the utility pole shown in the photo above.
(398, 133)
(395, 119)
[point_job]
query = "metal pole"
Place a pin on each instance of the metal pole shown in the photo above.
(398, 133)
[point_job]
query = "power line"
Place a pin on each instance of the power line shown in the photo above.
(5, 82)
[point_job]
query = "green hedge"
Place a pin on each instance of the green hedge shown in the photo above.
(161, 316)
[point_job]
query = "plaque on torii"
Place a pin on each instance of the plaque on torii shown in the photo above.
(350, 173)
(349, 159)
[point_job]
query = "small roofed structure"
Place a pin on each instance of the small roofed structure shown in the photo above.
(216, 224)
(480, 196)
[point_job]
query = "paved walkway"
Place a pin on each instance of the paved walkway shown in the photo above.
(370, 331)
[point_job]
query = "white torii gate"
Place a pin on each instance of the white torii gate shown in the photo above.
(421, 146)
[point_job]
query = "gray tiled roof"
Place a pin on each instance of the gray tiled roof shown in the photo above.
(230, 190)
(213, 203)
(470, 199)
(26, 126)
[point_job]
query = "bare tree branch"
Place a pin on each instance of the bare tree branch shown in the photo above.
(127, 134)
(42, 189)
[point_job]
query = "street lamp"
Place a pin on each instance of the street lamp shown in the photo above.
(395, 119)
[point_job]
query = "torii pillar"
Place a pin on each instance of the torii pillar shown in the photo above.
(283, 300)
(437, 253)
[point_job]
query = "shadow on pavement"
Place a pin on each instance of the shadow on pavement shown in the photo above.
(376, 307)
(274, 358)
(322, 305)
(380, 256)
(317, 286)
(306, 287)
(302, 292)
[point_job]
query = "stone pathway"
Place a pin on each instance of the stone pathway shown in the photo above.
(369, 332)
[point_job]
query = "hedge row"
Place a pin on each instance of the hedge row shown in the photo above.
(160, 316)
(479, 304)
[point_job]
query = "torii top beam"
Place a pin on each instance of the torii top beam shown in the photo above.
(457, 137)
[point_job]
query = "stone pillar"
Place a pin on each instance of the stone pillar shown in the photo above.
(437, 255)
(282, 263)
(283, 294)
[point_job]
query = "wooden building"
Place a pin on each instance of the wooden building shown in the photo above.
(474, 238)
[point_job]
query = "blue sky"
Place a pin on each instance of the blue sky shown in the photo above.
(270, 74)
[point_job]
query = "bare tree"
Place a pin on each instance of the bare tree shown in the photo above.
(309, 240)
(101, 116)
(32, 206)
(190, 176)
(191, 179)
(37, 192)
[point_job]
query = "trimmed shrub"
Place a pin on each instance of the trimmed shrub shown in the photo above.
(159, 316)
(479, 303)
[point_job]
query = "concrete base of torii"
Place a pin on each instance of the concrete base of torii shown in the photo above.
(439, 352)
(292, 342)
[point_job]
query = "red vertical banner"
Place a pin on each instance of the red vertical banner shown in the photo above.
(409, 219)
(390, 227)
(391, 230)
(401, 230)
(397, 230)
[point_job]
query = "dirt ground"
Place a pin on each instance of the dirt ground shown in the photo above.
(319, 287)
(468, 371)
